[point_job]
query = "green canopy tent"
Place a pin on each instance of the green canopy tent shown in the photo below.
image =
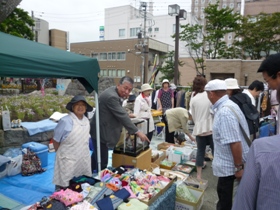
(21, 58)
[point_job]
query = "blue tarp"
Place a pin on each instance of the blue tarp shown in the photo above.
(29, 189)
(38, 127)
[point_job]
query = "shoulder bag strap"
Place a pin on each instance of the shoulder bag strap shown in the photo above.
(242, 129)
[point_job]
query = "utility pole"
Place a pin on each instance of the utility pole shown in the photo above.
(144, 43)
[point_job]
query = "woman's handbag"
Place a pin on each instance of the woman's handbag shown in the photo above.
(31, 164)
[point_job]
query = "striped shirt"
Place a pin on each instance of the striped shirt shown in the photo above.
(226, 130)
(260, 184)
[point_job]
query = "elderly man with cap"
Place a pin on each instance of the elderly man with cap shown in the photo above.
(142, 107)
(230, 145)
(71, 137)
(259, 187)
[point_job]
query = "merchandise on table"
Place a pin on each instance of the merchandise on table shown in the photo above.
(197, 194)
(197, 183)
(183, 168)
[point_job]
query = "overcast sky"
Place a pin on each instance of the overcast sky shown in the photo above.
(82, 18)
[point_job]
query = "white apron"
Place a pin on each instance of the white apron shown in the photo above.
(73, 155)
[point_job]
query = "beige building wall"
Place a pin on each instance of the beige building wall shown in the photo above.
(187, 72)
(58, 39)
(264, 6)
(239, 69)
(132, 64)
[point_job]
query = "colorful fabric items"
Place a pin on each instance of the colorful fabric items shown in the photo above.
(67, 197)
(113, 201)
(133, 204)
(83, 206)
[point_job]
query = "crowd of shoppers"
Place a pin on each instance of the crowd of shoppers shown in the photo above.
(248, 174)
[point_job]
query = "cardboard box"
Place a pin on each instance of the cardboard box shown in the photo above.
(167, 167)
(181, 204)
(201, 184)
(160, 158)
(150, 202)
(165, 146)
(142, 161)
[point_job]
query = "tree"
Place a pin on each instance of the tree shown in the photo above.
(192, 35)
(18, 23)
(208, 42)
(259, 35)
(219, 22)
(168, 68)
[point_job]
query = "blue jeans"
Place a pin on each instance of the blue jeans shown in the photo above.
(202, 141)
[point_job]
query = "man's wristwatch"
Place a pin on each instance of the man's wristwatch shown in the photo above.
(239, 167)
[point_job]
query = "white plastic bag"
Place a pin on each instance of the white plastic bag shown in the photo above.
(6, 119)
(14, 167)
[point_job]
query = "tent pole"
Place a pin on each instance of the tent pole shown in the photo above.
(97, 131)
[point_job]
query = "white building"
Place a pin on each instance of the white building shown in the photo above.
(125, 22)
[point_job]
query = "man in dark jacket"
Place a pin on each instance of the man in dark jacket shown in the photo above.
(112, 118)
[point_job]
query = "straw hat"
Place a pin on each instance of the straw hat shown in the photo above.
(232, 84)
(146, 87)
(76, 99)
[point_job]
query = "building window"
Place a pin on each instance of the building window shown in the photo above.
(202, 16)
(202, 1)
(104, 72)
(134, 31)
(103, 56)
(156, 29)
(137, 79)
(111, 56)
(196, 1)
(224, 6)
(238, 5)
(231, 5)
(122, 32)
(121, 73)
(230, 37)
(94, 55)
(229, 45)
(174, 28)
(202, 9)
(195, 9)
(120, 55)
(112, 72)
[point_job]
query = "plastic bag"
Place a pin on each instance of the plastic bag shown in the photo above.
(183, 192)
(6, 119)
(14, 167)
(13, 152)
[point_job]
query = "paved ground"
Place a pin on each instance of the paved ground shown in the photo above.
(210, 194)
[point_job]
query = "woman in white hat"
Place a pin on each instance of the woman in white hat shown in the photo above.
(142, 107)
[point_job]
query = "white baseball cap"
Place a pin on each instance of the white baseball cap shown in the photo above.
(215, 84)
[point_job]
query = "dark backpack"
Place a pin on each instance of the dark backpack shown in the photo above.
(249, 110)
